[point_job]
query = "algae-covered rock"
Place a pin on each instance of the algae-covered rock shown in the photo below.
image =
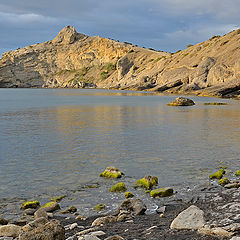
(223, 181)
(119, 187)
(237, 173)
(30, 204)
(99, 207)
(161, 192)
(181, 101)
(215, 103)
(129, 195)
(111, 172)
(71, 209)
(218, 174)
(51, 206)
(147, 182)
(58, 198)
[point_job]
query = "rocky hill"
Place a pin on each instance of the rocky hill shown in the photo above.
(75, 60)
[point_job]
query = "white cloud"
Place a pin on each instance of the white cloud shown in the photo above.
(25, 18)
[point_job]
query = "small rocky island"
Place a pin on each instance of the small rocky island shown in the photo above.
(211, 213)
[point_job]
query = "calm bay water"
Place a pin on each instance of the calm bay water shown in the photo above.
(57, 141)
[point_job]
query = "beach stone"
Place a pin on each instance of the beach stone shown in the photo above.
(181, 101)
(115, 237)
(88, 237)
(133, 206)
(97, 233)
(232, 185)
(34, 224)
(40, 213)
(218, 231)
(85, 232)
(79, 217)
(190, 218)
(72, 226)
(52, 230)
(235, 238)
(3, 221)
(51, 206)
(104, 220)
(10, 230)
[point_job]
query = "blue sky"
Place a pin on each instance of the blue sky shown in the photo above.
(166, 25)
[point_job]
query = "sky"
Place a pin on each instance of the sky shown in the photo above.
(166, 25)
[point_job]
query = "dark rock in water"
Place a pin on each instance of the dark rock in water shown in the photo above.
(52, 230)
(147, 182)
(133, 206)
(29, 211)
(3, 221)
(71, 209)
(181, 101)
(111, 172)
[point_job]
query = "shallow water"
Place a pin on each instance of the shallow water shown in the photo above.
(57, 141)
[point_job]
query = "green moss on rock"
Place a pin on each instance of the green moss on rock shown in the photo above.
(147, 182)
(30, 204)
(218, 174)
(99, 207)
(215, 103)
(111, 172)
(51, 206)
(223, 181)
(119, 187)
(237, 173)
(161, 192)
(129, 195)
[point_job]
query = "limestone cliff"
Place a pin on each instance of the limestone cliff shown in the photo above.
(76, 60)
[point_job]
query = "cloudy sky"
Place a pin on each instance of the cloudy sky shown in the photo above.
(166, 25)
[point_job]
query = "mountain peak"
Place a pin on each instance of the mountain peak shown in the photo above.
(67, 35)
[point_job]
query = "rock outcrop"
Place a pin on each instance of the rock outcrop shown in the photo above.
(75, 60)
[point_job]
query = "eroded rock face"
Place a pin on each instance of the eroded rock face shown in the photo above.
(75, 60)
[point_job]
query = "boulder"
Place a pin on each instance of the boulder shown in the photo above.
(111, 172)
(181, 101)
(51, 206)
(218, 231)
(114, 237)
(190, 218)
(10, 230)
(161, 192)
(30, 204)
(34, 224)
(104, 220)
(119, 187)
(52, 230)
(40, 213)
(133, 207)
(147, 182)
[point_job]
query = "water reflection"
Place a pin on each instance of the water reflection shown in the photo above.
(68, 137)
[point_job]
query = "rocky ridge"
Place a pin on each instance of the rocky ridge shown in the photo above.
(210, 68)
